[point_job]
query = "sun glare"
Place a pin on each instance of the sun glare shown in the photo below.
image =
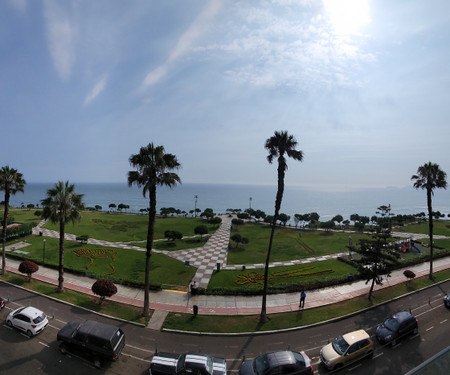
(347, 16)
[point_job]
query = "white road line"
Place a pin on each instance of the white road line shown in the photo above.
(443, 321)
(134, 357)
(138, 348)
(378, 355)
(43, 343)
(429, 329)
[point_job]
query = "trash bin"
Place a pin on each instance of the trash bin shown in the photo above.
(40, 234)
(218, 266)
(195, 307)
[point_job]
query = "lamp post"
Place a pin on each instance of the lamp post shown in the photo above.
(43, 253)
(195, 205)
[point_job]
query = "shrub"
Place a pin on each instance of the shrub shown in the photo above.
(173, 235)
(237, 222)
(28, 267)
(104, 288)
(409, 275)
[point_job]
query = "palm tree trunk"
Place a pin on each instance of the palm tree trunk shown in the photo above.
(4, 229)
(279, 197)
(148, 253)
(60, 288)
(430, 229)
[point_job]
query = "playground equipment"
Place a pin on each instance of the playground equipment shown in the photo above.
(408, 245)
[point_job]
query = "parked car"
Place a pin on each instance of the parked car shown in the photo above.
(95, 340)
(447, 300)
(346, 349)
(395, 327)
(285, 362)
(27, 319)
(189, 363)
(2, 303)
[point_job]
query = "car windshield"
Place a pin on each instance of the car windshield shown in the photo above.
(39, 319)
(261, 365)
(340, 345)
(391, 324)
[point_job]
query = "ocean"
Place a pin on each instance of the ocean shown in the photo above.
(220, 197)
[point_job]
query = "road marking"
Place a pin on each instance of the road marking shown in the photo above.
(355, 367)
(378, 355)
(443, 321)
(134, 357)
(138, 348)
(43, 343)
(429, 329)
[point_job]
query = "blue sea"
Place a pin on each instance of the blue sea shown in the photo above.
(220, 197)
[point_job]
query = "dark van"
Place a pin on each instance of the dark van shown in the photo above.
(96, 340)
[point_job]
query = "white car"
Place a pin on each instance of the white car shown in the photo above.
(28, 319)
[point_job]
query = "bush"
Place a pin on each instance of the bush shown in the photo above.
(104, 288)
(28, 267)
(237, 222)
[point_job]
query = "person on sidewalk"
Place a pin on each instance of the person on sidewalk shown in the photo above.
(302, 299)
(194, 288)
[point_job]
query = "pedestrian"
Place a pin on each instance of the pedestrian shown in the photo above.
(302, 299)
(194, 288)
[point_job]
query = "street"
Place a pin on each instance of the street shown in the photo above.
(40, 354)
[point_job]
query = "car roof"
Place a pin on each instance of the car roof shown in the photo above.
(98, 329)
(31, 311)
(401, 316)
(281, 358)
(355, 336)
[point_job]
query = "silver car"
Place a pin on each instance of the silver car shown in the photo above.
(28, 319)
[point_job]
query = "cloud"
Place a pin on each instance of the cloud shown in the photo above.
(185, 43)
(96, 90)
(61, 38)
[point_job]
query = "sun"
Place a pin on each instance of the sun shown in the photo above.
(347, 16)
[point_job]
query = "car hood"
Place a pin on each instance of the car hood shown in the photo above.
(328, 353)
(246, 368)
(382, 331)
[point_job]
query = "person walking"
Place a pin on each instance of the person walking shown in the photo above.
(302, 299)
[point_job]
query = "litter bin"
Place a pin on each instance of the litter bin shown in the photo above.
(195, 307)
(218, 266)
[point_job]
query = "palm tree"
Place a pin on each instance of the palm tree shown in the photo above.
(11, 182)
(281, 144)
(62, 206)
(429, 176)
(153, 168)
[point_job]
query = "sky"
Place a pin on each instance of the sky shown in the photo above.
(362, 85)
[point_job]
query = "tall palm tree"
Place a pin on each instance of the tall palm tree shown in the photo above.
(62, 206)
(429, 177)
(11, 182)
(154, 168)
(280, 145)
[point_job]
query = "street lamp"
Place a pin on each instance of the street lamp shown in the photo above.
(195, 206)
(43, 253)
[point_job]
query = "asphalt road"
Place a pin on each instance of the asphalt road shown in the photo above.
(40, 355)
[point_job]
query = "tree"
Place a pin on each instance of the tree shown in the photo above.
(28, 267)
(62, 206)
(112, 206)
(377, 256)
(208, 213)
(104, 288)
(237, 238)
(154, 168)
(338, 219)
(173, 235)
(429, 177)
(11, 182)
(98, 207)
(201, 230)
(280, 145)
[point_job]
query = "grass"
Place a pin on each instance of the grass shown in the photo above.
(111, 308)
(22, 215)
(250, 323)
(288, 244)
(115, 263)
(440, 227)
(128, 227)
(253, 279)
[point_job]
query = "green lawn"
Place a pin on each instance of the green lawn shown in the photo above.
(288, 244)
(440, 227)
(128, 227)
(119, 264)
(280, 276)
(22, 215)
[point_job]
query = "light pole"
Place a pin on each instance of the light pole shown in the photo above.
(195, 205)
(43, 253)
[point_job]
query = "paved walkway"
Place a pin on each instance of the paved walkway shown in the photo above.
(206, 259)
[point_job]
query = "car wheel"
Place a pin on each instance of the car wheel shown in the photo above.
(9, 323)
(97, 362)
(393, 342)
(415, 331)
(29, 333)
(63, 348)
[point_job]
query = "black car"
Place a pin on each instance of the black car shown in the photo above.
(447, 300)
(95, 340)
(396, 327)
(189, 364)
(285, 362)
